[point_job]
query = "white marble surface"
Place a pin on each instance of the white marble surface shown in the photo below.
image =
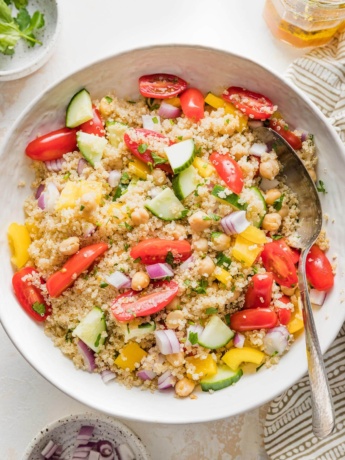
(90, 30)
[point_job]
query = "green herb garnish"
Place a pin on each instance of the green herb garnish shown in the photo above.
(39, 308)
(126, 246)
(142, 148)
(211, 311)
(227, 318)
(321, 187)
(279, 203)
(276, 237)
(108, 99)
(201, 289)
(98, 340)
(223, 260)
(103, 285)
(158, 160)
(155, 120)
(169, 259)
(82, 207)
(193, 337)
(137, 260)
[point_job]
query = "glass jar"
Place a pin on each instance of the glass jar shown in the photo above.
(304, 23)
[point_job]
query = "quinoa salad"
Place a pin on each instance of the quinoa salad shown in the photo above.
(160, 244)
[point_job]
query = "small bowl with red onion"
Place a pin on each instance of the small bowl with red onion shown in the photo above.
(86, 436)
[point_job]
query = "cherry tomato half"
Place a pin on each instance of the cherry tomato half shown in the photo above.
(161, 85)
(284, 314)
(228, 170)
(155, 250)
(53, 145)
(319, 270)
(129, 305)
(192, 104)
(277, 258)
(29, 296)
(259, 292)
(75, 265)
(140, 146)
(250, 319)
(254, 105)
(94, 126)
(282, 128)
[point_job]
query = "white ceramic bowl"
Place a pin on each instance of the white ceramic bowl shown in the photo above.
(26, 59)
(206, 69)
(64, 432)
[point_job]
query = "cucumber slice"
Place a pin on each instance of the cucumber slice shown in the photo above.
(91, 146)
(185, 183)
(224, 378)
(180, 155)
(166, 206)
(90, 329)
(216, 334)
(256, 207)
(115, 130)
(79, 109)
(232, 199)
(136, 330)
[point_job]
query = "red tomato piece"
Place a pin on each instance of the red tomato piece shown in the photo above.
(75, 265)
(254, 105)
(319, 269)
(53, 145)
(192, 104)
(155, 250)
(282, 128)
(228, 170)
(250, 319)
(295, 254)
(94, 126)
(277, 258)
(284, 314)
(161, 85)
(259, 292)
(128, 306)
(140, 148)
(29, 296)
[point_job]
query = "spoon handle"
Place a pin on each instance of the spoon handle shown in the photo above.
(322, 405)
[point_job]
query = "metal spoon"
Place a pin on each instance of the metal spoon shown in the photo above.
(310, 223)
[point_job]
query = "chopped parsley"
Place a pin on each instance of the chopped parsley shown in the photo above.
(158, 160)
(137, 260)
(227, 318)
(223, 260)
(108, 99)
(142, 148)
(69, 336)
(103, 285)
(206, 218)
(66, 176)
(39, 308)
(211, 311)
(180, 138)
(321, 187)
(155, 120)
(151, 103)
(184, 213)
(278, 203)
(201, 289)
(169, 259)
(98, 340)
(276, 237)
(129, 227)
(144, 325)
(126, 246)
(186, 282)
(131, 102)
(125, 178)
(193, 337)
(82, 207)
(216, 217)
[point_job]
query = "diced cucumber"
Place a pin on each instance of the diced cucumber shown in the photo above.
(180, 155)
(91, 146)
(185, 183)
(79, 109)
(224, 378)
(216, 334)
(256, 206)
(90, 329)
(222, 194)
(115, 130)
(132, 331)
(166, 206)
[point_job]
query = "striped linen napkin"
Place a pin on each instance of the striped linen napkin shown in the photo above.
(288, 431)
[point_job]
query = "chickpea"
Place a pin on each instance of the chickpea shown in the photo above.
(312, 174)
(199, 221)
(178, 232)
(272, 222)
(69, 246)
(284, 211)
(105, 108)
(206, 267)
(200, 245)
(221, 242)
(140, 216)
(140, 281)
(88, 200)
(289, 291)
(173, 319)
(173, 304)
(175, 359)
(159, 177)
(272, 195)
(235, 296)
(184, 387)
(269, 169)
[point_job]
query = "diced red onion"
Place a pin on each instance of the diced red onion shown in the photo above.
(234, 223)
(85, 433)
(82, 163)
(39, 191)
(48, 448)
(49, 197)
(146, 374)
(276, 340)
(255, 124)
(187, 264)
(114, 178)
(167, 342)
(166, 380)
(88, 356)
(239, 340)
(196, 329)
(88, 229)
(317, 297)
(167, 110)
(81, 453)
(267, 184)
(119, 280)
(159, 271)
(105, 448)
(258, 149)
(124, 452)
(57, 453)
(107, 376)
(151, 122)
(94, 455)
(54, 165)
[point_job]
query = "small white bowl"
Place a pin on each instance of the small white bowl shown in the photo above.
(26, 59)
(64, 431)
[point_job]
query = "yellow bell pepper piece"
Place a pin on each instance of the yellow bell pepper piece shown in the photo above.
(19, 241)
(245, 251)
(255, 235)
(129, 356)
(296, 323)
(139, 168)
(204, 168)
(115, 210)
(236, 356)
(175, 101)
(75, 190)
(222, 275)
(207, 367)
(217, 102)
